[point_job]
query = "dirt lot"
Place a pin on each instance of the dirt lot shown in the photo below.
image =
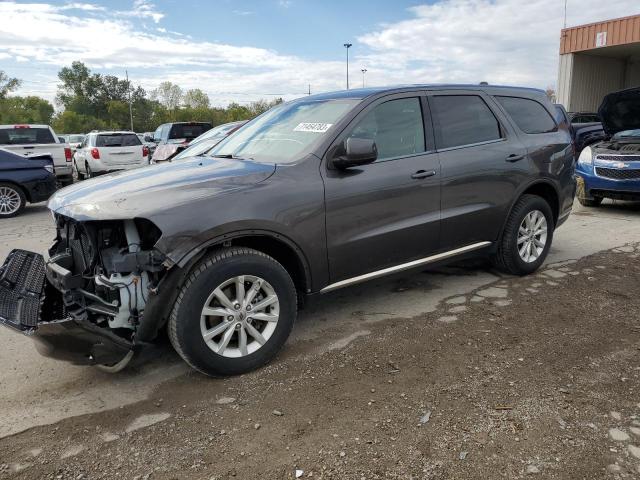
(533, 377)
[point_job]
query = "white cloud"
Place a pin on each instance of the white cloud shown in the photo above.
(144, 9)
(500, 41)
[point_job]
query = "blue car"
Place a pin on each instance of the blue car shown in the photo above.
(611, 168)
(24, 180)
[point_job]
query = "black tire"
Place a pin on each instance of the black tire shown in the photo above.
(224, 264)
(590, 202)
(89, 173)
(77, 175)
(13, 191)
(66, 181)
(507, 258)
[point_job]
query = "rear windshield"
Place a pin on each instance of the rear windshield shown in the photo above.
(75, 138)
(25, 136)
(118, 140)
(189, 131)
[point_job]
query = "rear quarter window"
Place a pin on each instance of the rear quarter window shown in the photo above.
(530, 116)
(118, 140)
(463, 120)
(26, 136)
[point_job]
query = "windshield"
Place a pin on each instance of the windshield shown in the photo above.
(117, 140)
(627, 134)
(284, 132)
(197, 149)
(188, 130)
(218, 132)
(75, 138)
(25, 136)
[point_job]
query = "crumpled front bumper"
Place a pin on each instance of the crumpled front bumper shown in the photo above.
(30, 304)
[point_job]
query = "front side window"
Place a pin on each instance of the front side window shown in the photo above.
(529, 115)
(157, 135)
(284, 133)
(463, 120)
(396, 126)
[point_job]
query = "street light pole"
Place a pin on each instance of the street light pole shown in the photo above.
(348, 46)
(129, 92)
(364, 70)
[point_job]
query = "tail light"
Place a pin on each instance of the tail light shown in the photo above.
(67, 154)
(95, 153)
(145, 151)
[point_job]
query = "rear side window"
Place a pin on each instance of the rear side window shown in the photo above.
(25, 136)
(463, 120)
(529, 115)
(396, 126)
(118, 140)
(188, 131)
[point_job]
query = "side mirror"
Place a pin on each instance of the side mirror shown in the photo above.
(148, 139)
(357, 151)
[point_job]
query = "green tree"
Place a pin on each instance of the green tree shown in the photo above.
(72, 122)
(7, 84)
(196, 98)
(25, 110)
(168, 94)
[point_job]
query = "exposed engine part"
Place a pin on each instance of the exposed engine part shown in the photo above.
(133, 298)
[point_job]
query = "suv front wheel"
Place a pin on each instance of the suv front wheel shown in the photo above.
(234, 312)
(526, 238)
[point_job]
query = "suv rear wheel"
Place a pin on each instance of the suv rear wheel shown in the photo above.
(527, 236)
(234, 312)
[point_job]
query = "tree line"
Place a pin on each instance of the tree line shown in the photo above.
(93, 101)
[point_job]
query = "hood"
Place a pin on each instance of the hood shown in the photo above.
(147, 191)
(621, 111)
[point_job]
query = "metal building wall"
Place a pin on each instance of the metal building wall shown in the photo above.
(592, 78)
(565, 68)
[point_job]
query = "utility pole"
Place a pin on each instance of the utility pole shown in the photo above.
(364, 70)
(309, 89)
(348, 46)
(565, 13)
(129, 92)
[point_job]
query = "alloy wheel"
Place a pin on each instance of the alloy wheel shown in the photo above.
(239, 316)
(532, 236)
(9, 200)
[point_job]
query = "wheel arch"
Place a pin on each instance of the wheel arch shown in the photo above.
(25, 191)
(541, 188)
(277, 246)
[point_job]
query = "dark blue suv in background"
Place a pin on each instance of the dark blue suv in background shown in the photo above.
(24, 180)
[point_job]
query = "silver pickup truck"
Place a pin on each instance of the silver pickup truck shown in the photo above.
(39, 141)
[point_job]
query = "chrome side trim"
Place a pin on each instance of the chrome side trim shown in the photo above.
(404, 266)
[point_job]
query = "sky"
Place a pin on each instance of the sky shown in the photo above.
(246, 50)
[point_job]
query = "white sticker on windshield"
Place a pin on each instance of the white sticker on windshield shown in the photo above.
(313, 127)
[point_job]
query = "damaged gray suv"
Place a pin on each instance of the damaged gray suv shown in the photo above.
(314, 195)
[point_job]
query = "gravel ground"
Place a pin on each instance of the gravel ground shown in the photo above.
(534, 377)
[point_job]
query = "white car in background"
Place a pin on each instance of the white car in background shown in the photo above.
(104, 152)
(74, 140)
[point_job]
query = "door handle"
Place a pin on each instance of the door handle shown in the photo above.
(514, 158)
(423, 174)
